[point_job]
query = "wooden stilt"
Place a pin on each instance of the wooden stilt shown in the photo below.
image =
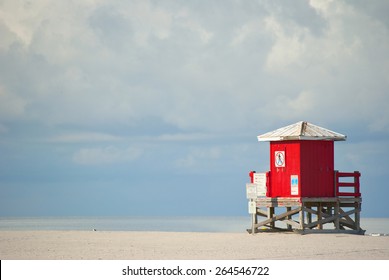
(309, 216)
(336, 213)
(319, 215)
(253, 222)
(301, 218)
(270, 216)
(289, 226)
(342, 213)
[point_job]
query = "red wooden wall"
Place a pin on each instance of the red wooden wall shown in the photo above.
(308, 170)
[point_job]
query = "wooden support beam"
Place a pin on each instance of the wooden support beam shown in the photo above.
(321, 222)
(347, 214)
(301, 218)
(310, 210)
(253, 222)
(360, 231)
(278, 217)
(278, 202)
(270, 214)
(316, 212)
(269, 229)
(354, 199)
(262, 213)
(326, 213)
(289, 217)
(347, 205)
(309, 214)
(332, 218)
(291, 223)
(336, 214)
(347, 223)
(338, 211)
(319, 215)
(358, 215)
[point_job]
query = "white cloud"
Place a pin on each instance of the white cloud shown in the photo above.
(99, 62)
(182, 85)
(247, 31)
(106, 155)
(295, 107)
(288, 47)
(322, 6)
(131, 23)
(196, 28)
(341, 65)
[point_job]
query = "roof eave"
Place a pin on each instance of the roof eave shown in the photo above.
(286, 138)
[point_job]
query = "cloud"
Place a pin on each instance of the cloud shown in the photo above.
(336, 64)
(295, 106)
(185, 86)
(106, 155)
(102, 62)
(138, 22)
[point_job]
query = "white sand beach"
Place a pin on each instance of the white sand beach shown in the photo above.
(120, 245)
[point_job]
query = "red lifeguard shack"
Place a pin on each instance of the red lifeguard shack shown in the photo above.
(302, 178)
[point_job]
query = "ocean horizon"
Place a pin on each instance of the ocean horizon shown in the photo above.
(170, 224)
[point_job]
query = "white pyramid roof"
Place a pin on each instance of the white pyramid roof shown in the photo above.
(301, 131)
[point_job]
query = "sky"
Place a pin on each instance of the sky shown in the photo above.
(152, 108)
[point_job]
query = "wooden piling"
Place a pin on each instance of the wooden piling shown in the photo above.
(334, 214)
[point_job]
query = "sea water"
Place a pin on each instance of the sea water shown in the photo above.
(178, 224)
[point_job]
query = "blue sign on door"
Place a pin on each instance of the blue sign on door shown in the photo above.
(294, 184)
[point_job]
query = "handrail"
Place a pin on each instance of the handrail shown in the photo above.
(355, 184)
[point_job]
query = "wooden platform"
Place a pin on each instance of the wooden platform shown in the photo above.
(307, 215)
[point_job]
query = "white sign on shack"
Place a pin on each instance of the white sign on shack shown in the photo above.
(252, 207)
(258, 187)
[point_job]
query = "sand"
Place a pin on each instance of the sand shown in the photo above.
(90, 245)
